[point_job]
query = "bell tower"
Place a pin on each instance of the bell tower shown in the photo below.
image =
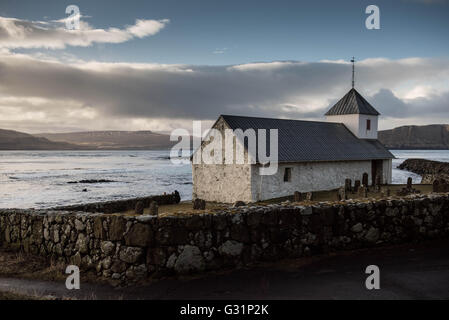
(357, 114)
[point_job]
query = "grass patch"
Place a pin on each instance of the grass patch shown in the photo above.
(27, 266)
(185, 208)
(16, 296)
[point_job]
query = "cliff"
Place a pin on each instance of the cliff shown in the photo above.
(435, 136)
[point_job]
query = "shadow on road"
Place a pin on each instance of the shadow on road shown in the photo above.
(412, 271)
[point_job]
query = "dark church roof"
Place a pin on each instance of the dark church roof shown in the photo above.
(352, 103)
(304, 141)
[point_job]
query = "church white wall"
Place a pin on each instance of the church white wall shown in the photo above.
(311, 176)
(230, 183)
(363, 132)
(222, 183)
(356, 123)
(351, 121)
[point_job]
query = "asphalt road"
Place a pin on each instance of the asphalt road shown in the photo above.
(419, 271)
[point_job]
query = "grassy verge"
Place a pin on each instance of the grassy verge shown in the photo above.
(18, 296)
(21, 265)
(27, 266)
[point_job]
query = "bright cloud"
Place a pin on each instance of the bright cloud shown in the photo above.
(17, 33)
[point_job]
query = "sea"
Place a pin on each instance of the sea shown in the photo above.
(44, 179)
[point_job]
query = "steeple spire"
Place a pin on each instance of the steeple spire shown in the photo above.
(353, 67)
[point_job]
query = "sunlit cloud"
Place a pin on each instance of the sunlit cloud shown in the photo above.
(18, 33)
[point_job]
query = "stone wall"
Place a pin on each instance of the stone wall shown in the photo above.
(117, 206)
(128, 248)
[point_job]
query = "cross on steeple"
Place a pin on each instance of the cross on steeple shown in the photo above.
(353, 67)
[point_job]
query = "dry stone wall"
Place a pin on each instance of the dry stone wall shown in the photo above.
(129, 248)
(117, 206)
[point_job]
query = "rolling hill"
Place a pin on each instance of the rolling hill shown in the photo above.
(406, 137)
(15, 140)
(113, 140)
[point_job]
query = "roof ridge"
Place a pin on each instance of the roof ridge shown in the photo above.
(296, 120)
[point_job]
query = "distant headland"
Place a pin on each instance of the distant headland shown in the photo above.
(428, 137)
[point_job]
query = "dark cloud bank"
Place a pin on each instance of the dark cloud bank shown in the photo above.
(276, 89)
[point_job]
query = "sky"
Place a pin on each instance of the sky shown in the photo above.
(158, 65)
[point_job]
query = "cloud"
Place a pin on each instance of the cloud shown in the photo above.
(94, 95)
(144, 28)
(17, 33)
(220, 51)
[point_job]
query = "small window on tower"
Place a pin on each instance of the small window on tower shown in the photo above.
(368, 124)
(288, 174)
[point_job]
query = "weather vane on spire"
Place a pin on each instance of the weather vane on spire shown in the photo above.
(353, 67)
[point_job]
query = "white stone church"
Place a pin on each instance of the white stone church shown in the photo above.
(312, 155)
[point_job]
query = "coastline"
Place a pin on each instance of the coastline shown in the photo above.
(40, 179)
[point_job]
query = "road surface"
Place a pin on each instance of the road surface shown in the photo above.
(413, 271)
